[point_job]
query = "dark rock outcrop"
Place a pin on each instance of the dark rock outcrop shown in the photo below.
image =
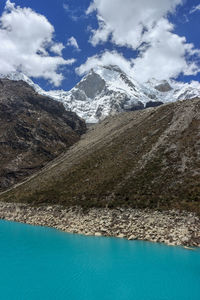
(164, 87)
(153, 104)
(34, 129)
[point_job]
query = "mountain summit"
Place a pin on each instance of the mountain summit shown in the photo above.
(107, 90)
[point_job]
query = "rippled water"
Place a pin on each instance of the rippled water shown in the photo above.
(43, 263)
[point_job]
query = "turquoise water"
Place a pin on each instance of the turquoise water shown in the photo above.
(43, 263)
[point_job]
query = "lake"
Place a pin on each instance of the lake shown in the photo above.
(47, 264)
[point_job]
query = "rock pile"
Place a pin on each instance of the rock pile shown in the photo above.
(169, 227)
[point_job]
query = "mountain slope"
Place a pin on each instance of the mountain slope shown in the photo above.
(33, 130)
(148, 158)
(107, 90)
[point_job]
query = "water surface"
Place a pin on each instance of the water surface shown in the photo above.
(43, 263)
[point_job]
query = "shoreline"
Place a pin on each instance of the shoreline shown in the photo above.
(170, 227)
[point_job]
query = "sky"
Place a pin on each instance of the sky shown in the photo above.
(56, 42)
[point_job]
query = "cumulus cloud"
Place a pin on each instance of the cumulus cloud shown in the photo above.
(106, 58)
(73, 43)
(125, 22)
(165, 54)
(144, 26)
(26, 40)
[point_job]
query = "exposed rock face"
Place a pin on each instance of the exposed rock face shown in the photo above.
(163, 87)
(34, 129)
(89, 88)
(142, 159)
(153, 104)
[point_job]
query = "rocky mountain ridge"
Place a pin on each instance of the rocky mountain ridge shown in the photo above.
(107, 90)
(34, 129)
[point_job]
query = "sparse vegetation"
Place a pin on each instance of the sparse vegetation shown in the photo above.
(138, 159)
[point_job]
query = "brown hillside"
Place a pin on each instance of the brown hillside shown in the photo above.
(148, 158)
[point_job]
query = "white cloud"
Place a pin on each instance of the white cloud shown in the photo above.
(73, 43)
(9, 5)
(57, 48)
(195, 8)
(165, 54)
(125, 21)
(106, 58)
(26, 38)
(143, 26)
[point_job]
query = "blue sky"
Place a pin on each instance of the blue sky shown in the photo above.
(108, 33)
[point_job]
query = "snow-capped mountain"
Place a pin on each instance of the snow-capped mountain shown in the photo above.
(20, 76)
(106, 90)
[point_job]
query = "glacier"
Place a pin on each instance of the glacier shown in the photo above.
(107, 90)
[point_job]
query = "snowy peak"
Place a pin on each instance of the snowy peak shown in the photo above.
(100, 78)
(115, 78)
(17, 76)
(107, 90)
(89, 86)
(103, 91)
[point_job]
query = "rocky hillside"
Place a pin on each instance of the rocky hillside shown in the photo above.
(148, 158)
(107, 90)
(34, 129)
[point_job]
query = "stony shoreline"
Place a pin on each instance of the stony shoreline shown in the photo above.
(169, 227)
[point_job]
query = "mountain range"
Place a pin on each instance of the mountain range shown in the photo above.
(107, 90)
(136, 157)
(141, 159)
